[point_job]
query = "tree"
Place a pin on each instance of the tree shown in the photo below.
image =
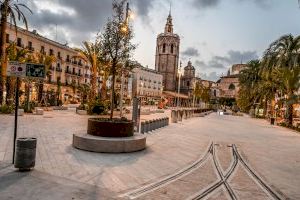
(116, 44)
(202, 92)
(13, 54)
(282, 59)
(91, 52)
(12, 10)
(43, 59)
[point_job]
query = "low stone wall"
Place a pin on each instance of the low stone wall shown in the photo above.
(109, 145)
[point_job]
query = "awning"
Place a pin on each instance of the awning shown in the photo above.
(174, 94)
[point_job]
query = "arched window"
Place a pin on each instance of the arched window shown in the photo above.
(164, 48)
(172, 48)
(231, 86)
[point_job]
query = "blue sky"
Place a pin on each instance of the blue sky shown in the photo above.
(214, 33)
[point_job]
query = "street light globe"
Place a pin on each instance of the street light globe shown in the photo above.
(131, 15)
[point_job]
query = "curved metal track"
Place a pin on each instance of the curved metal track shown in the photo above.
(256, 177)
(158, 184)
(223, 178)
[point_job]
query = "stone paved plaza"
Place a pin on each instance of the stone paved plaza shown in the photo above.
(63, 172)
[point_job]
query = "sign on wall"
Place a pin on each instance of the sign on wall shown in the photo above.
(16, 69)
(35, 70)
(23, 70)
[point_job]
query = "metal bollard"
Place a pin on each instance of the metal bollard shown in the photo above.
(150, 126)
(185, 115)
(155, 124)
(142, 127)
(146, 127)
(160, 123)
(25, 153)
(179, 115)
(174, 115)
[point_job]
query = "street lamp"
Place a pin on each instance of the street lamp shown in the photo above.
(179, 77)
(124, 30)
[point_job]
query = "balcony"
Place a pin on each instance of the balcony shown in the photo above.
(87, 67)
(51, 68)
(68, 60)
(58, 69)
(75, 62)
(87, 76)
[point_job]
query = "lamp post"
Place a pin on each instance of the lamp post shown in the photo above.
(124, 29)
(178, 92)
(194, 93)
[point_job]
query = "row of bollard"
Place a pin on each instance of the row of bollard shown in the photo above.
(178, 115)
(151, 125)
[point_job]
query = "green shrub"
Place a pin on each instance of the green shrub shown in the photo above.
(5, 109)
(98, 107)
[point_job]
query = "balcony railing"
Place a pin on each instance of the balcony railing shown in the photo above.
(58, 69)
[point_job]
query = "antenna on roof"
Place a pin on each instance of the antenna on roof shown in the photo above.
(170, 11)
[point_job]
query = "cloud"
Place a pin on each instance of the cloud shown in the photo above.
(190, 52)
(203, 4)
(213, 76)
(206, 3)
(232, 57)
(81, 18)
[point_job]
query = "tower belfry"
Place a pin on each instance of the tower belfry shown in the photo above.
(167, 55)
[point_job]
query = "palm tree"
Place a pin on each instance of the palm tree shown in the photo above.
(249, 80)
(47, 61)
(283, 58)
(8, 9)
(14, 54)
(91, 52)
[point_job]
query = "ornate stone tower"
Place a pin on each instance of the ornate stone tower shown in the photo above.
(167, 56)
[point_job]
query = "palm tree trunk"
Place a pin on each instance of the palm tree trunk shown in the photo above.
(27, 93)
(265, 107)
(10, 88)
(3, 48)
(93, 82)
(290, 112)
(103, 90)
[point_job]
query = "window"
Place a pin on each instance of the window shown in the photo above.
(73, 70)
(85, 80)
(51, 52)
(7, 38)
(19, 42)
(58, 79)
(29, 45)
(79, 72)
(188, 83)
(68, 68)
(42, 49)
(164, 48)
(68, 58)
(172, 48)
(58, 55)
(231, 86)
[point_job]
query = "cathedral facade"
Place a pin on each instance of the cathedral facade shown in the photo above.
(167, 56)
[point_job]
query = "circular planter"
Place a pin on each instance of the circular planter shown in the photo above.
(110, 128)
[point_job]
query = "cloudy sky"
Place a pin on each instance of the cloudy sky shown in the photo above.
(214, 33)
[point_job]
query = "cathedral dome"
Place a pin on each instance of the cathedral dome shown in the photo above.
(189, 66)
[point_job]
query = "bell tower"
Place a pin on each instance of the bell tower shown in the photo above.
(167, 55)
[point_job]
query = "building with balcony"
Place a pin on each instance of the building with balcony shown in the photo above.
(68, 69)
(147, 84)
